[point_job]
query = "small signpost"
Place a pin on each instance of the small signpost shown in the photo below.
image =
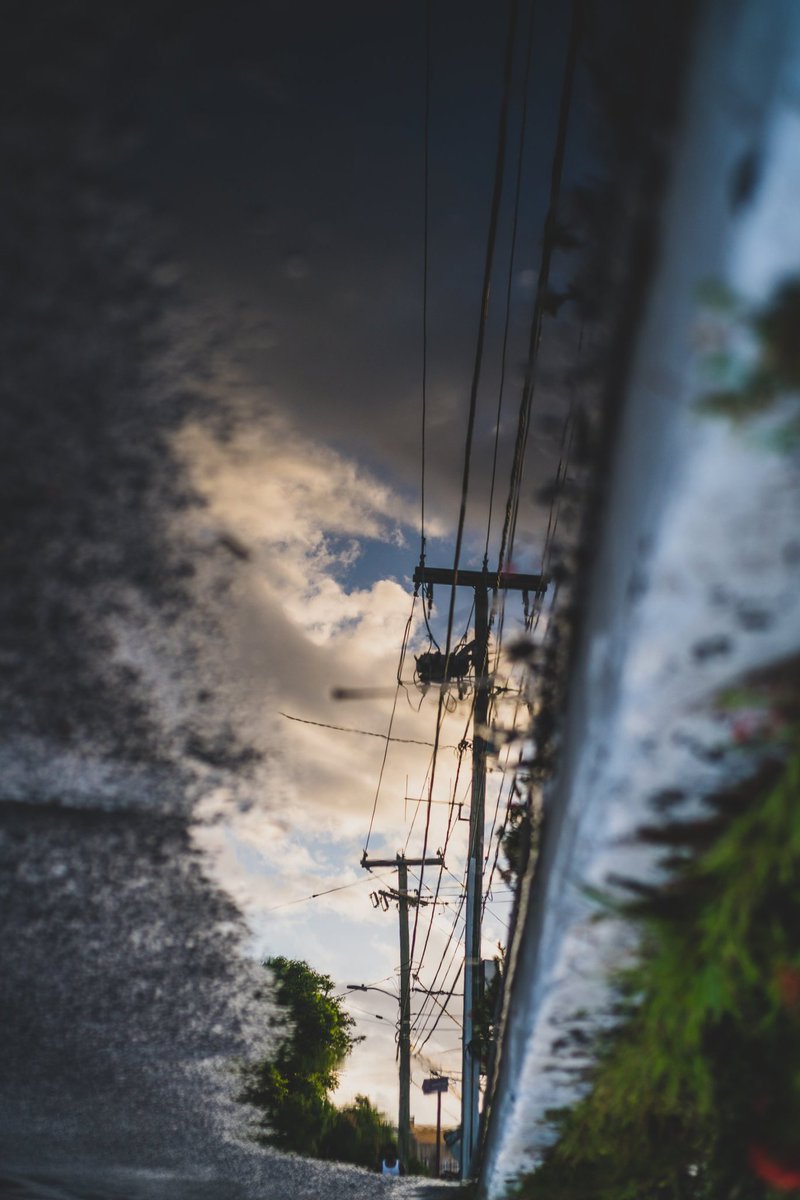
(436, 1085)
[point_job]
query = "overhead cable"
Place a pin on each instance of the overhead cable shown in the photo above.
(497, 192)
(426, 214)
(510, 278)
(548, 246)
(326, 892)
(364, 732)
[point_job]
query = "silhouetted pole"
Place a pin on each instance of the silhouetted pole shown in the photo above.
(404, 1044)
(482, 582)
(401, 863)
(471, 1065)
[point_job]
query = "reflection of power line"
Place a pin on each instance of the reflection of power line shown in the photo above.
(374, 1016)
(449, 1017)
(510, 276)
(481, 582)
(403, 898)
(316, 895)
(491, 238)
(550, 241)
(426, 231)
(440, 964)
(433, 1028)
(403, 649)
(364, 732)
(463, 746)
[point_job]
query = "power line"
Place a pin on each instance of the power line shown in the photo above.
(548, 246)
(448, 943)
(327, 892)
(364, 732)
(432, 1030)
(364, 1013)
(497, 192)
(403, 649)
(511, 256)
(447, 837)
(426, 206)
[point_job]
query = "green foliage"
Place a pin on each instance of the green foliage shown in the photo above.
(696, 1091)
(485, 1016)
(753, 360)
(359, 1132)
(291, 1087)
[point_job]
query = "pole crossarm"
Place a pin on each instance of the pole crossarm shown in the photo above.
(407, 897)
(369, 863)
(505, 581)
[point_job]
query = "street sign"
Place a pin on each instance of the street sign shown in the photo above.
(438, 1083)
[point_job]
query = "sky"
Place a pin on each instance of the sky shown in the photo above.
(309, 241)
(268, 170)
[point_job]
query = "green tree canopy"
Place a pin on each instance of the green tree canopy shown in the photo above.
(359, 1134)
(291, 1086)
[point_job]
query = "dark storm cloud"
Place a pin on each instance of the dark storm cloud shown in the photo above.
(306, 233)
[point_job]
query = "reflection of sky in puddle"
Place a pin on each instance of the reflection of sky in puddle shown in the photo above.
(694, 588)
(264, 292)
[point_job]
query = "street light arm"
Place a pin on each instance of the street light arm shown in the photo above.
(364, 987)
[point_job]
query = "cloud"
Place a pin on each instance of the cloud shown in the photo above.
(280, 488)
(294, 626)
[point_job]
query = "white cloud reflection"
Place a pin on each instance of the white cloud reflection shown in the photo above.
(301, 513)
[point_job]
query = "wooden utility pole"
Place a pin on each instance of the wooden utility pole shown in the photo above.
(482, 582)
(401, 863)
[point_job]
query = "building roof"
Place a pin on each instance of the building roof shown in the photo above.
(426, 1134)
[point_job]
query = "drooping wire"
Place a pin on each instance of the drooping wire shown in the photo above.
(363, 732)
(389, 739)
(417, 806)
(450, 826)
(548, 246)
(510, 280)
(451, 936)
(421, 1022)
(326, 892)
(442, 1011)
(473, 400)
(425, 237)
(421, 1045)
(520, 447)
(526, 402)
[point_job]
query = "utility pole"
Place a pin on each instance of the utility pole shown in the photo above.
(481, 582)
(401, 863)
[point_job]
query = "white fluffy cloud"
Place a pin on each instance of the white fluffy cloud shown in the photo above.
(296, 514)
(294, 630)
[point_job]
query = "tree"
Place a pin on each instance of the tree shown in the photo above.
(291, 1087)
(359, 1134)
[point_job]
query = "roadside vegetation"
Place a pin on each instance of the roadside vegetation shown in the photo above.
(693, 1093)
(291, 1088)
